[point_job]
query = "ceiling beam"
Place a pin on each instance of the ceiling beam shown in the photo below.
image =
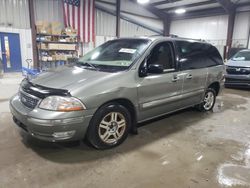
(164, 2)
(161, 14)
(243, 4)
(199, 13)
(157, 12)
(124, 17)
(106, 2)
(191, 5)
(227, 5)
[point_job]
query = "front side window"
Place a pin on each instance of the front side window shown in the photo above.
(242, 56)
(115, 55)
(162, 54)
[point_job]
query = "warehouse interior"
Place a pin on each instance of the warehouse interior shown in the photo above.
(186, 148)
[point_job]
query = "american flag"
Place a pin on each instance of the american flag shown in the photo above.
(80, 15)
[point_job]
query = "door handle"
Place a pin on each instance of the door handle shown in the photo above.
(189, 76)
(4, 53)
(175, 78)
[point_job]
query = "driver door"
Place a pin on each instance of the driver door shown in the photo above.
(160, 93)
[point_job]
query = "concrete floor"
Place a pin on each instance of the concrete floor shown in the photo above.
(186, 149)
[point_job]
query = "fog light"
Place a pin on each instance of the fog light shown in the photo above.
(64, 135)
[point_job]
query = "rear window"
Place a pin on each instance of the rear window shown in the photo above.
(196, 55)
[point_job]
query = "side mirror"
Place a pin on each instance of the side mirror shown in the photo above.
(155, 69)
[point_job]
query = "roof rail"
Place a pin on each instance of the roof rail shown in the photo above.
(155, 35)
(176, 36)
(173, 36)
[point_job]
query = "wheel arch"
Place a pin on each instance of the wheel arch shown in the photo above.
(130, 107)
(215, 86)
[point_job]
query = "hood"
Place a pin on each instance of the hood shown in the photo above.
(71, 77)
(238, 63)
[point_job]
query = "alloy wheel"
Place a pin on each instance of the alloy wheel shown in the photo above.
(112, 127)
(209, 100)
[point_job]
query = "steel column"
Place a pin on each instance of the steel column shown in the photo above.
(118, 18)
(166, 26)
(230, 29)
(33, 33)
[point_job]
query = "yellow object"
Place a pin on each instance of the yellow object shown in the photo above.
(43, 27)
(56, 28)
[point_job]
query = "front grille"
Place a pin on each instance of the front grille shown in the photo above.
(233, 80)
(238, 70)
(28, 101)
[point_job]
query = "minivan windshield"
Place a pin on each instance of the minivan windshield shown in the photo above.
(242, 56)
(115, 55)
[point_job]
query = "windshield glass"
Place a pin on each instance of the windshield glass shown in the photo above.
(115, 55)
(242, 56)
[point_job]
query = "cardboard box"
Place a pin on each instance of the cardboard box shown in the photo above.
(44, 58)
(53, 57)
(62, 57)
(56, 28)
(43, 27)
(66, 46)
(50, 58)
(43, 46)
(52, 46)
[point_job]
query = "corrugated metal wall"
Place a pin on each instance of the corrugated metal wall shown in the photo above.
(241, 30)
(48, 10)
(14, 13)
(129, 29)
(105, 24)
(213, 29)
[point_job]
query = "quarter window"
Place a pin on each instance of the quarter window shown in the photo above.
(196, 55)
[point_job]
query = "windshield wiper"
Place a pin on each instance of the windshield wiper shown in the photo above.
(89, 64)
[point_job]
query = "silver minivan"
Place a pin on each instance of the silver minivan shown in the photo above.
(116, 86)
(238, 70)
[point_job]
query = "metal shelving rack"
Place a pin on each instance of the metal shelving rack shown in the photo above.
(55, 39)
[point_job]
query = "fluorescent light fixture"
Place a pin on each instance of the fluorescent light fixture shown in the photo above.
(180, 11)
(142, 1)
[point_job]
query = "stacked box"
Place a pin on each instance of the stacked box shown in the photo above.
(56, 28)
(43, 27)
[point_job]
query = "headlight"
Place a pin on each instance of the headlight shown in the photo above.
(62, 104)
(248, 68)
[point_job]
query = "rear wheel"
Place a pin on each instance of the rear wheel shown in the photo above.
(208, 100)
(109, 126)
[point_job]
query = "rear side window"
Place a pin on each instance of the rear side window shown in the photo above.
(196, 55)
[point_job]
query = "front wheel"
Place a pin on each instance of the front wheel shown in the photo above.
(109, 126)
(208, 101)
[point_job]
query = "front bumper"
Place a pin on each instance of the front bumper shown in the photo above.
(237, 80)
(50, 125)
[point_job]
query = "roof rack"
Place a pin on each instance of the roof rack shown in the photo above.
(155, 35)
(176, 36)
(173, 36)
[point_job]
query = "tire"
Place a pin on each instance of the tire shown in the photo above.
(207, 106)
(109, 126)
